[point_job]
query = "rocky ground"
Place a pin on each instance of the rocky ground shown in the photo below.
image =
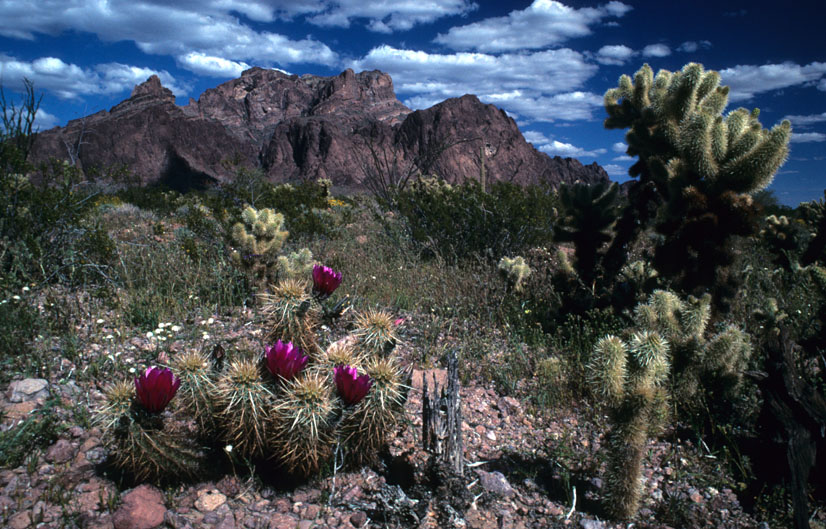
(522, 470)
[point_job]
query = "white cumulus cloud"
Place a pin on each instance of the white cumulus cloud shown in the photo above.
(614, 54)
(539, 86)
(177, 29)
(807, 137)
(70, 81)
(615, 170)
(746, 80)
(44, 121)
(212, 66)
(805, 121)
(620, 146)
(543, 23)
(558, 148)
(656, 50)
(691, 46)
(387, 17)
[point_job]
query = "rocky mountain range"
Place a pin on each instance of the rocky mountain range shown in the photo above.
(303, 127)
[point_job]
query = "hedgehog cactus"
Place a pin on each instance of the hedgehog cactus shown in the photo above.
(630, 377)
(376, 331)
(302, 432)
(197, 389)
(244, 403)
(704, 166)
(292, 314)
(365, 430)
(142, 442)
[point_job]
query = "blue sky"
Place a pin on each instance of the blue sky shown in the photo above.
(546, 63)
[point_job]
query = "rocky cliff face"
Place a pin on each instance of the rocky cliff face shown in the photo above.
(302, 127)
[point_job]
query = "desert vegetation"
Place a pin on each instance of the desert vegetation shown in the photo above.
(664, 341)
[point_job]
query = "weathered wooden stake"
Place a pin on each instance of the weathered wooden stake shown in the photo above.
(442, 418)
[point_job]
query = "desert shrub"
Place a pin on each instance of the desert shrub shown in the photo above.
(20, 322)
(44, 233)
(456, 222)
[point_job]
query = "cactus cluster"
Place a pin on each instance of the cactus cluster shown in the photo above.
(259, 239)
(714, 363)
(279, 405)
(668, 356)
(589, 213)
(515, 271)
(703, 165)
(630, 376)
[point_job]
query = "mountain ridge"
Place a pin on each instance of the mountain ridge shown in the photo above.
(302, 127)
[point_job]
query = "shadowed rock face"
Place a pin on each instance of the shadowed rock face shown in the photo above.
(304, 127)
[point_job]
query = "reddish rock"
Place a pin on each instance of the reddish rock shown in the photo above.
(300, 127)
(60, 452)
(142, 508)
(358, 519)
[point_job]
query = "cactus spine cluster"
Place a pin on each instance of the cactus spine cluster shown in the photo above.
(713, 363)
(630, 377)
(703, 165)
(588, 217)
(515, 271)
(149, 447)
(259, 239)
(248, 407)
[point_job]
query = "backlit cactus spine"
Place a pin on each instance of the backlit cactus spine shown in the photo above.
(302, 433)
(147, 445)
(714, 363)
(515, 272)
(703, 165)
(259, 238)
(244, 401)
(630, 377)
(292, 314)
(364, 430)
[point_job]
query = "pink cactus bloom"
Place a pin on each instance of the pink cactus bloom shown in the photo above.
(325, 280)
(352, 387)
(155, 388)
(284, 359)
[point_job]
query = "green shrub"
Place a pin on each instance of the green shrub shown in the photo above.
(456, 222)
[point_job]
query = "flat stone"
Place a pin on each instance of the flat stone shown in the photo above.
(282, 521)
(28, 389)
(358, 519)
(209, 500)
(60, 452)
(142, 508)
(20, 410)
(495, 483)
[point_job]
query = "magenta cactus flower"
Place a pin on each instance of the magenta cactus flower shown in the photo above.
(351, 386)
(284, 359)
(325, 280)
(155, 388)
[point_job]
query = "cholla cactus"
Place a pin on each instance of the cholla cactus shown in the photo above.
(703, 165)
(630, 376)
(716, 362)
(292, 314)
(245, 403)
(259, 239)
(588, 216)
(516, 271)
(302, 428)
